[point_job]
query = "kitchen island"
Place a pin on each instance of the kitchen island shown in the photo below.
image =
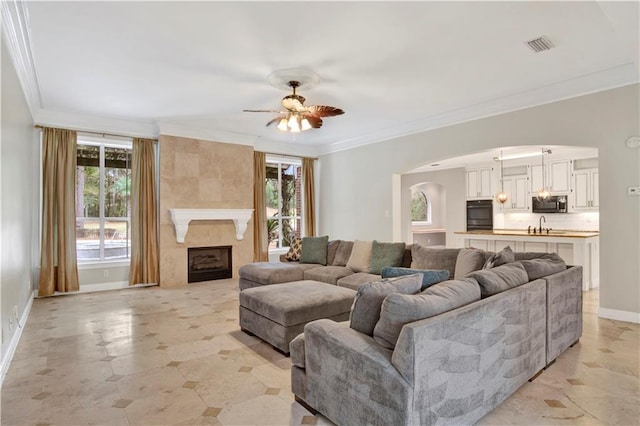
(575, 247)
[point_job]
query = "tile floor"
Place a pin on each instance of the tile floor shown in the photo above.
(151, 356)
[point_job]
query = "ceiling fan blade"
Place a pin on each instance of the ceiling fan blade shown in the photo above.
(275, 120)
(324, 111)
(263, 110)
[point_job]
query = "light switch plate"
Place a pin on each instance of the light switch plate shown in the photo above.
(634, 190)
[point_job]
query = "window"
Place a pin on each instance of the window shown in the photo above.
(103, 185)
(284, 200)
(420, 207)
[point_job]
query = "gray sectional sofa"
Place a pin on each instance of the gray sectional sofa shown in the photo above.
(484, 334)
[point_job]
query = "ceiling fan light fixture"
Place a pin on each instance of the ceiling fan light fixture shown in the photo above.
(304, 124)
(282, 125)
(294, 126)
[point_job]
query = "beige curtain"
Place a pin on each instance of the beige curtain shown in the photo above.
(309, 197)
(144, 214)
(260, 241)
(58, 262)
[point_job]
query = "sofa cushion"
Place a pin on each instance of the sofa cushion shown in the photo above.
(400, 309)
(296, 350)
(365, 311)
(432, 258)
(500, 278)
(354, 281)
(469, 260)
(343, 253)
(429, 276)
(295, 249)
(314, 250)
(500, 258)
(332, 249)
(548, 264)
(327, 274)
(360, 258)
(273, 272)
(385, 254)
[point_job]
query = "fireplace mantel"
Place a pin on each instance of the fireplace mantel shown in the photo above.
(182, 217)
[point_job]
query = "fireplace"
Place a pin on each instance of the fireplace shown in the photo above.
(209, 263)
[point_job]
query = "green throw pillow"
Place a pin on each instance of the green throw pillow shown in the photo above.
(429, 276)
(314, 250)
(385, 254)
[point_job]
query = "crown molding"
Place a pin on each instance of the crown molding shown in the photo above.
(619, 76)
(92, 123)
(286, 148)
(16, 30)
(202, 133)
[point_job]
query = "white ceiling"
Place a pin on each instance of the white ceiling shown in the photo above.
(395, 68)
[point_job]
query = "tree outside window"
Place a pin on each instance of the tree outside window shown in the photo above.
(420, 207)
(284, 201)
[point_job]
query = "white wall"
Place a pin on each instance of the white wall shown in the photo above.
(19, 195)
(356, 185)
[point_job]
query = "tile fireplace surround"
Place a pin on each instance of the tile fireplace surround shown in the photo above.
(213, 181)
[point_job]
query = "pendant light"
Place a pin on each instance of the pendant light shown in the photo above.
(502, 196)
(543, 194)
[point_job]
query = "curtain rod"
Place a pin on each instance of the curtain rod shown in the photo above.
(285, 155)
(103, 134)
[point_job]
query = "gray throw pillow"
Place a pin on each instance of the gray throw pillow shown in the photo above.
(385, 254)
(500, 258)
(400, 309)
(500, 278)
(469, 260)
(343, 253)
(365, 310)
(332, 249)
(548, 264)
(429, 276)
(314, 250)
(432, 258)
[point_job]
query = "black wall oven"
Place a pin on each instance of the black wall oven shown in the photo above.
(480, 215)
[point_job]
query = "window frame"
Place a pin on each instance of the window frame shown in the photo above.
(102, 143)
(296, 162)
(429, 218)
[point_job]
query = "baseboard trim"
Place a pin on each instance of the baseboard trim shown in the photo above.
(617, 315)
(13, 345)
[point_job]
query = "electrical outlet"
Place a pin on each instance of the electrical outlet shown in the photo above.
(15, 312)
(10, 323)
(105, 273)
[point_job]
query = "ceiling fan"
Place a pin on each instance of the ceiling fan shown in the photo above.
(298, 117)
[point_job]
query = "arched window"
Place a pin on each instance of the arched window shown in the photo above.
(420, 208)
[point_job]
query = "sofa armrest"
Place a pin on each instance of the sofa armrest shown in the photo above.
(564, 310)
(350, 377)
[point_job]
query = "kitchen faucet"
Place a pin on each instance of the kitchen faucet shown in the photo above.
(545, 221)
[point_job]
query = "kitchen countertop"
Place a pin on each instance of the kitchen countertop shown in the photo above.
(561, 233)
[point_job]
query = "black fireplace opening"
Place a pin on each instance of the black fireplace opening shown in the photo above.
(209, 263)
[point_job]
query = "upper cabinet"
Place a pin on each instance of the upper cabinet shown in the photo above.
(479, 183)
(585, 185)
(557, 177)
(516, 185)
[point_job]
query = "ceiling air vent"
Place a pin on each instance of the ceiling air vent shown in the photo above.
(540, 44)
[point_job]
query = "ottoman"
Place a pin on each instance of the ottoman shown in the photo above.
(277, 313)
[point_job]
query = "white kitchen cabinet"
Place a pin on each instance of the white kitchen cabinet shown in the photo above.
(585, 190)
(559, 176)
(517, 187)
(479, 183)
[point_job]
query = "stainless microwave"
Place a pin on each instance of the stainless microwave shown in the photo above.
(553, 204)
